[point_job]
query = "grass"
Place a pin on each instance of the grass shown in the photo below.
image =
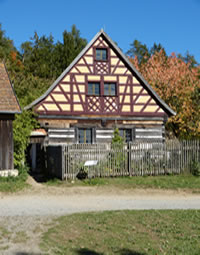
(125, 233)
(156, 182)
(20, 237)
(13, 184)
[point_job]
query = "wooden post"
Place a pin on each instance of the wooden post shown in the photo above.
(129, 158)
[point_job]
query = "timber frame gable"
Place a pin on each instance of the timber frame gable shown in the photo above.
(121, 91)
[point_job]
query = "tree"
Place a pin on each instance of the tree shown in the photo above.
(6, 45)
(189, 59)
(71, 47)
(142, 52)
(139, 50)
(178, 85)
(117, 139)
(157, 48)
(45, 59)
(37, 56)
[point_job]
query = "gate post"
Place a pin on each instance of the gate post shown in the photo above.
(63, 163)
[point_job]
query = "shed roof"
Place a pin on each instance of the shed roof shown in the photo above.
(8, 100)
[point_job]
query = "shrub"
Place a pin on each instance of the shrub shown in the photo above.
(195, 168)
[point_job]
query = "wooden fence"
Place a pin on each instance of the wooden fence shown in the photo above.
(134, 159)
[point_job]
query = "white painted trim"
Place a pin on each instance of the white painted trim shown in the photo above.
(104, 136)
(61, 136)
(149, 136)
(104, 131)
(61, 130)
(148, 130)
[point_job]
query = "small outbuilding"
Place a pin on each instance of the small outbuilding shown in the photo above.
(9, 106)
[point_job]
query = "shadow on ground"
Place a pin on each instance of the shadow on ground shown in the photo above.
(120, 252)
(41, 177)
(26, 253)
(86, 251)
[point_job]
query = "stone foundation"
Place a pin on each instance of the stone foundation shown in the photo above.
(9, 172)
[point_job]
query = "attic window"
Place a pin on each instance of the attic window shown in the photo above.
(101, 54)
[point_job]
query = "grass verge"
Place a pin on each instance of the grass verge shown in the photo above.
(154, 182)
(12, 184)
(125, 233)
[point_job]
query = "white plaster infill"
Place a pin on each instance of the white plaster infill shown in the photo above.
(9, 172)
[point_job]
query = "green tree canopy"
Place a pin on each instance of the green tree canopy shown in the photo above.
(6, 45)
(142, 52)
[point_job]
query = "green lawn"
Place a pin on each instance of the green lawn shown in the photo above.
(13, 184)
(10, 185)
(188, 182)
(125, 233)
(156, 182)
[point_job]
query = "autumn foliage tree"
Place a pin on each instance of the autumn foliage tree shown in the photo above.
(178, 84)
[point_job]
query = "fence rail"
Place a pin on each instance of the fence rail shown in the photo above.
(134, 159)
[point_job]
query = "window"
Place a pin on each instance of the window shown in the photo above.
(94, 88)
(85, 135)
(101, 54)
(126, 134)
(110, 89)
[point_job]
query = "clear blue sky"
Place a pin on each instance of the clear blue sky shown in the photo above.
(173, 23)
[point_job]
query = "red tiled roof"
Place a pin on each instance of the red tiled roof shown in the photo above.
(8, 100)
(39, 132)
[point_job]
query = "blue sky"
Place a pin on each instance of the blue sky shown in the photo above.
(173, 23)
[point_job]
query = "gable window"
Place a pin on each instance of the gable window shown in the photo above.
(94, 88)
(126, 133)
(101, 54)
(110, 89)
(85, 135)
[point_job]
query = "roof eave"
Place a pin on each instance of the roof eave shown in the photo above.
(10, 112)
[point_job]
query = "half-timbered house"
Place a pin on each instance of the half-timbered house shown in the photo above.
(9, 106)
(100, 90)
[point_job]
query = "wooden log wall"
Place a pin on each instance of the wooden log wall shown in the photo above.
(102, 135)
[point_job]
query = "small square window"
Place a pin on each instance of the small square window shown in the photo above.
(126, 134)
(101, 54)
(94, 88)
(85, 135)
(110, 89)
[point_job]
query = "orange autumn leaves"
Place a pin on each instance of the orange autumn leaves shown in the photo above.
(178, 84)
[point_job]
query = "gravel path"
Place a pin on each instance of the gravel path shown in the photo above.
(60, 205)
(92, 199)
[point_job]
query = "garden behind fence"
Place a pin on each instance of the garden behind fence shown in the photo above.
(138, 158)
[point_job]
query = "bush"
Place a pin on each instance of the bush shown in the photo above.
(195, 168)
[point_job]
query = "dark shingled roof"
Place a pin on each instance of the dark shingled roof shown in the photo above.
(8, 99)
